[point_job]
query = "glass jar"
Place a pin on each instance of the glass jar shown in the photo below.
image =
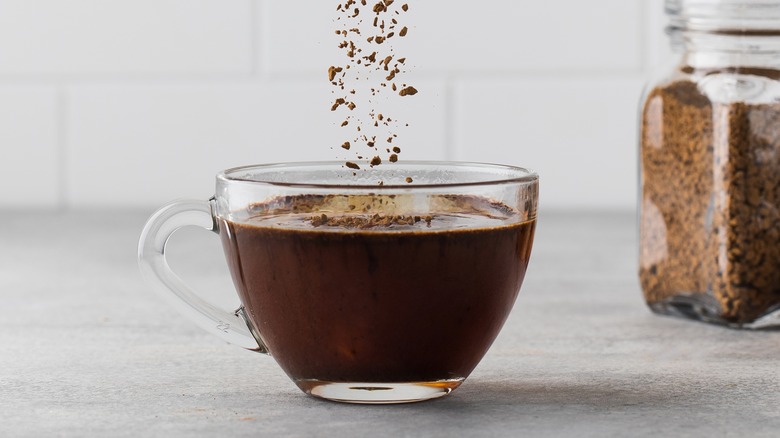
(710, 167)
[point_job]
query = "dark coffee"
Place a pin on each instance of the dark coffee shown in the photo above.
(347, 295)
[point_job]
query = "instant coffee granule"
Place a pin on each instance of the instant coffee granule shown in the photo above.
(710, 222)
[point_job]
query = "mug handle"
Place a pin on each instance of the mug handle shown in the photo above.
(232, 327)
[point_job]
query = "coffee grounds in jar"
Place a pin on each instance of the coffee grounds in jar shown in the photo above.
(711, 202)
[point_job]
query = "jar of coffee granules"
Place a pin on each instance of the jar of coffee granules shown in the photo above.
(710, 167)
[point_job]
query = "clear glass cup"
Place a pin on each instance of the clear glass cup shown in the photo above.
(380, 286)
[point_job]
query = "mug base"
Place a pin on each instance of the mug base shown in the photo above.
(378, 393)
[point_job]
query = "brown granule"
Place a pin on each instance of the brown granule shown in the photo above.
(397, 150)
(405, 7)
(336, 104)
(403, 31)
(710, 230)
(408, 91)
(393, 158)
(409, 179)
(318, 221)
(346, 145)
(376, 161)
(332, 71)
(352, 165)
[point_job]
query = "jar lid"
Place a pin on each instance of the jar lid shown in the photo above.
(737, 16)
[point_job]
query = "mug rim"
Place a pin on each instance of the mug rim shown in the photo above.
(526, 175)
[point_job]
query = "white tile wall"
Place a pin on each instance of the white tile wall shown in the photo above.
(521, 36)
(30, 162)
(136, 145)
(577, 133)
(449, 37)
(89, 37)
(116, 103)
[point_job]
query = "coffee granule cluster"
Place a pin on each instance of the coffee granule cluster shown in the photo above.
(710, 222)
(371, 69)
(363, 222)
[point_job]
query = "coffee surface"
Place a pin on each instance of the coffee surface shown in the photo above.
(396, 302)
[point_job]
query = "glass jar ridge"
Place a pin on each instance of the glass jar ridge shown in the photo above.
(738, 16)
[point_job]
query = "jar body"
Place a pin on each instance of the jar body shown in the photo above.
(710, 186)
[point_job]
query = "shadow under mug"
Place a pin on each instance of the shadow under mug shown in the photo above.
(379, 286)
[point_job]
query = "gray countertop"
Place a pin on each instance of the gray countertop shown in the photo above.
(86, 349)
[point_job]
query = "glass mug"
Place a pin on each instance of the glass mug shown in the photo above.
(363, 291)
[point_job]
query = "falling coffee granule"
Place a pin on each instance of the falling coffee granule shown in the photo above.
(336, 104)
(333, 71)
(408, 91)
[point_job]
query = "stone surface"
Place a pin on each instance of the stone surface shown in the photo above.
(86, 349)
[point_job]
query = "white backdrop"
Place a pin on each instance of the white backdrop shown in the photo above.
(118, 103)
